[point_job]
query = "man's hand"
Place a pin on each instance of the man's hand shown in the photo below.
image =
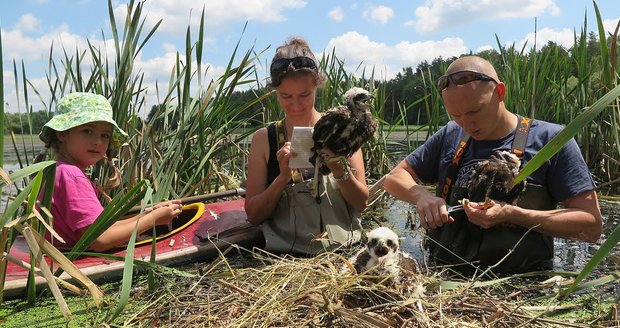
(486, 214)
(432, 212)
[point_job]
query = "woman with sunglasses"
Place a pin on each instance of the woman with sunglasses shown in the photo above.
(276, 196)
(496, 233)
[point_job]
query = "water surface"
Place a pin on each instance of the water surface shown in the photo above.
(570, 255)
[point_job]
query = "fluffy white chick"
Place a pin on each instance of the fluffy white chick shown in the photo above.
(381, 256)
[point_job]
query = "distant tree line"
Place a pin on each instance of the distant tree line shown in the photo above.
(21, 123)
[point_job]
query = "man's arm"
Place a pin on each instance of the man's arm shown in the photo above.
(580, 219)
(401, 184)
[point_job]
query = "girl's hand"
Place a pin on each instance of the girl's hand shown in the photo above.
(167, 203)
(164, 213)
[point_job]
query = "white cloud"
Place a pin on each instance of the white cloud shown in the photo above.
(449, 13)
(564, 37)
(610, 24)
(27, 22)
(34, 52)
(390, 59)
(336, 14)
(159, 69)
(379, 14)
(412, 53)
(485, 48)
(18, 46)
(9, 86)
(177, 14)
(10, 96)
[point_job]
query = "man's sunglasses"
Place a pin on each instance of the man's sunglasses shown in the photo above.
(281, 65)
(462, 77)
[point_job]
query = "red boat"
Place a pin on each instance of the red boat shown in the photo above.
(196, 235)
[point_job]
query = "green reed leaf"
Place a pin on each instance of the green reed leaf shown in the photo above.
(576, 125)
(127, 275)
(601, 254)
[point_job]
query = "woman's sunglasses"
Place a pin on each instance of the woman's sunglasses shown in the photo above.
(281, 65)
(462, 77)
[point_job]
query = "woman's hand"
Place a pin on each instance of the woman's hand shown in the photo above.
(333, 162)
(284, 156)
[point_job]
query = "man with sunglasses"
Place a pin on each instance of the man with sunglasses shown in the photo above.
(510, 238)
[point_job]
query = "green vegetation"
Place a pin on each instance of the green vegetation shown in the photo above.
(21, 123)
(193, 141)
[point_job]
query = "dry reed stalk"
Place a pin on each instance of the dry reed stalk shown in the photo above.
(320, 291)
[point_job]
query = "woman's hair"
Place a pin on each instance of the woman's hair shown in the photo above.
(294, 58)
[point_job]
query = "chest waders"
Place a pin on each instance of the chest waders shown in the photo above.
(461, 242)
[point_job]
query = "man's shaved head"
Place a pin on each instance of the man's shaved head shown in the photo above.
(472, 63)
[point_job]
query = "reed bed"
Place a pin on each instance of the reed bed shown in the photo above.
(321, 291)
(193, 142)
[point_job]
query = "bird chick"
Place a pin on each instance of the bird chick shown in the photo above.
(344, 128)
(381, 256)
(493, 179)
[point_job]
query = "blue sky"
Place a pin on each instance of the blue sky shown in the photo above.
(388, 35)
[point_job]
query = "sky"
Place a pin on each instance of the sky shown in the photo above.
(386, 35)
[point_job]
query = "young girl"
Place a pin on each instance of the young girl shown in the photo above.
(80, 134)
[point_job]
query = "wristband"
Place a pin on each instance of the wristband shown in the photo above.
(343, 177)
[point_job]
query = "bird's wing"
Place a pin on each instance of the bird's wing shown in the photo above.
(362, 261)
(328, 130)
(330, 122)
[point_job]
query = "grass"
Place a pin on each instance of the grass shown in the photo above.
(192, 145)
(258, 289)
(19, 314)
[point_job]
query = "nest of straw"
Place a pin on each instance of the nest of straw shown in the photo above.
(318, 292)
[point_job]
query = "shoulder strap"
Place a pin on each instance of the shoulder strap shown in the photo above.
(520, 140)
(281, 136)
(518, 148)
(453, 167)
(280, 133)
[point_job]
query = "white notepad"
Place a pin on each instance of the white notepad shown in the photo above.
(301, 143)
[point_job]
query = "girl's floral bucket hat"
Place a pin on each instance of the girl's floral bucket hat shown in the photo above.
(80, 108)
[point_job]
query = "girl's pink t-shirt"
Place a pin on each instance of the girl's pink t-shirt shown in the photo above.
(74, 204)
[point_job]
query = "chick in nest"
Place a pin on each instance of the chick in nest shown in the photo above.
(381, 256)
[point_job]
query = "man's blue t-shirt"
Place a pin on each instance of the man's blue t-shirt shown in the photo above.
(564, 176)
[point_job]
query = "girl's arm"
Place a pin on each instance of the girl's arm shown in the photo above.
(121, 230)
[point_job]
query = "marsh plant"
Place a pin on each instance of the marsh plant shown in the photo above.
(194, 140)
